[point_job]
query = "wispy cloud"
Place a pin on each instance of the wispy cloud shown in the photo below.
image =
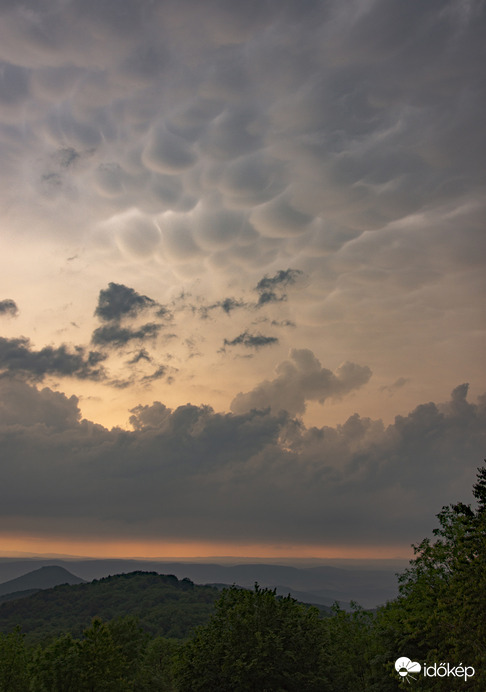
(251, 340)
(112, 335)
(8, 307)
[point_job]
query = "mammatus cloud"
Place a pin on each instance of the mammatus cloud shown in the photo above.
(8, 307)
(251, 340)
(17, 356)
(119, 301)
(301, 379)
(193, 473)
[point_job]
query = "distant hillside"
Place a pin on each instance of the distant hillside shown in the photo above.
(370, 585)
(18, 594)
(43, 578)
(164, 605)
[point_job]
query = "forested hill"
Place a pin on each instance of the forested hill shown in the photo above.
(165, 606)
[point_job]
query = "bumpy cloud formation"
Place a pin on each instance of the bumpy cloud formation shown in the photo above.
(8, 307)
(299, 380)
(256, 476)
(17, 356)
(256, 131)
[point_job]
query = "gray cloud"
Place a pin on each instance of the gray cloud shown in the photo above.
(251, 340)
(301, 379)
(194, 473)
(8, 307)
(115, 335)
(119, 301)
(17, 356)
(140, 355)
(398, 384)
(157, 374)
(271, 288)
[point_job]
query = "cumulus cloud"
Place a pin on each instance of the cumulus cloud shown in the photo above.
(301, 379)
(8, 307)
(191, 472)
(18, 356)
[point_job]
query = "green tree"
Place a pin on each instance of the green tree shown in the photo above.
(442, 602)
(255, 641)
(57, 667)
(156, 670)
(103, 667)
(13, 662)
(352, 649)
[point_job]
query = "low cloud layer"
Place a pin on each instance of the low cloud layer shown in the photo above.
(301, 379)
(18, 357)
(255, 476)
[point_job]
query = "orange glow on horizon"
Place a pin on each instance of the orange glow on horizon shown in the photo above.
(163, 550)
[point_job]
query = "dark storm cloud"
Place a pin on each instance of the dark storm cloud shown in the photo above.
(17, 356)
(252, 133)
(119, 301)
(8, 307)
(194, 473)
(302, 379)
(251, 340)
(111, 335)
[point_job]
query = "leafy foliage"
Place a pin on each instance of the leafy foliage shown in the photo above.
(255, 641)
(164, 605)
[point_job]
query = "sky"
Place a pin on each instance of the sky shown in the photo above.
(242, 274)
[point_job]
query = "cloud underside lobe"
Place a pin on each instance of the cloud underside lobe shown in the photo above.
(250, 134)
(301, 379)
(256, 476)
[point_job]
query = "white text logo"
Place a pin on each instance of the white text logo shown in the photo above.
(405, 667)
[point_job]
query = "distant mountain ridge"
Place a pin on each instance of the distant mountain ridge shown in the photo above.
(321, 585)
(43, 578)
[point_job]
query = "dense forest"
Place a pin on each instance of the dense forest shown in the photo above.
(183, 638)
